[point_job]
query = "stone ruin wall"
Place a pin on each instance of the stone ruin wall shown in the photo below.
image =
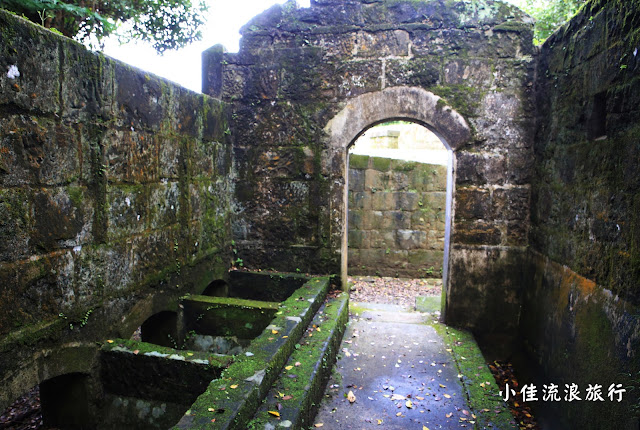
(581, 318)
(396, 217)
(297, 68)
(77, 147)
(114, 200)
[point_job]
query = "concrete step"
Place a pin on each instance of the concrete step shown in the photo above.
(295, 396)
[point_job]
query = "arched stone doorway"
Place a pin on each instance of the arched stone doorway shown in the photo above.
(397, 103)
(397, 188)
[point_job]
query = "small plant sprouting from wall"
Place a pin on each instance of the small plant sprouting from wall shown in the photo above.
(81, 323)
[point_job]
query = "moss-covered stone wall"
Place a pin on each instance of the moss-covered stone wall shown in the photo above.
(396, 217)
(114, 198)
(580, 318)
(298, 67)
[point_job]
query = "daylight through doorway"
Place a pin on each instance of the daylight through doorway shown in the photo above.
(397, 206)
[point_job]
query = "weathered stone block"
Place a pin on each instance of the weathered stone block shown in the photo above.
(394, 260)
(62, 218)
(497, 120)
(354, 258)
(471, 72)
(426, 259)
(424, 179)
(26, 72)
(168, 157)
(141, 98)
(223, 316)
(375, 180)
(38, 151)
(163, 204)
(481, 168)
(300, 76)
(285, 162)
(436, 201)
(401, 219)
(379, 221)
(476, 233)
(411, 239)
(356, 180)
(355, 238)
(520, 165)
(356, 219)
(415, 72)
(511, 203)
(423, 218)
(382, 239)
(382, 43)
(485, 289)
(381, 164)
(517, 232)
(234, 79)
(372, 256)
(335, 45)
(152, 254)
(215, 120)
(87, 83)
(360, 200)
(204, 159)
(131, 155)
(405, 166)
(399, 181)
(352, 78)
(16, 224)
(47, 280)
(408, 201)
(129, 209)
(473, 203)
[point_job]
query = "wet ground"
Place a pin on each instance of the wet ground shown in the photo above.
(399, 372)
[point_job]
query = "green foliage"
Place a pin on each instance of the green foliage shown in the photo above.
(166, 24)
(549, 14)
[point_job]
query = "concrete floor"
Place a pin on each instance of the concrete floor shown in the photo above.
(401, 372)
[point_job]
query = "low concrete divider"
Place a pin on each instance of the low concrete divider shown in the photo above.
(292, 401)
(230, 401)
(225, 316)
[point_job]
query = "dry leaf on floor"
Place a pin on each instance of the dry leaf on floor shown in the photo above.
(351, 397)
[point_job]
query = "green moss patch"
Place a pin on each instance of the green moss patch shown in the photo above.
(231, 400)
(428, 303)
(300, 387)
(482, 391)
(360, 162)
(381, 164)
(222, 316)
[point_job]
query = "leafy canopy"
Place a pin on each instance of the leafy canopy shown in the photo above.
(166, 24)
(549, 14)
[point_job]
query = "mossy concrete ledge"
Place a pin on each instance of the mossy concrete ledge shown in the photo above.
(224, 316)
(231, 400)
(147, 371)
(478, 382)
(300, 388)
(150, 386)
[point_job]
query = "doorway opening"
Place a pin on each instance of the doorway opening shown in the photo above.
(399, 202)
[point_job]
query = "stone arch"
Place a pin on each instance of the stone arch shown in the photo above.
(407, 103)
(411, 103)
(160, 329)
